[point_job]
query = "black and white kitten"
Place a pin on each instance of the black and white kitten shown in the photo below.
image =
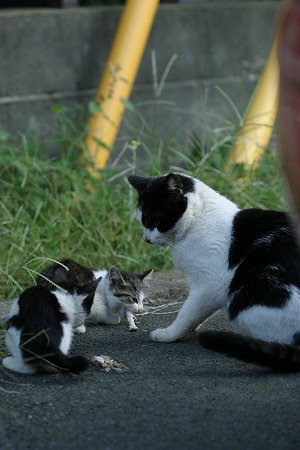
(119, 293)
(40, 329)
(244, 261)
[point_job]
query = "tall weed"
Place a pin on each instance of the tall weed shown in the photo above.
(53, 208)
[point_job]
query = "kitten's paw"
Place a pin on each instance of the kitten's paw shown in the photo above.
(112, 319)
(132, 327)
(80, 330)
(9, 362)
(162, 335)
(17, 366)
(107, 320)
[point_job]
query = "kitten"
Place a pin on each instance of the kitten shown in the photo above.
(40, 329)
(244, 261)
(119, 293)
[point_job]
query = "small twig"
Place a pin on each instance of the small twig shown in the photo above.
(13, 382)
(9, 392)
(168, 312)
(159, 308)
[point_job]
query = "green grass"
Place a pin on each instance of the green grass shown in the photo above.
(52, 209)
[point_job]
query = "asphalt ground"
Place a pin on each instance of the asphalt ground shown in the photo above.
(171, 396)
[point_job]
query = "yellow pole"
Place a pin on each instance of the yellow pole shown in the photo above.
(260, 116)
(118, 78)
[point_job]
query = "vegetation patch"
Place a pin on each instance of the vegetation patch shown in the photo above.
(53, 208)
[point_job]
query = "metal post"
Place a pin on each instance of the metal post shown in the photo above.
(118, 78)
(258, 123)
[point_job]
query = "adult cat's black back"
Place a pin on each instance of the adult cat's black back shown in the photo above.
(267, 260)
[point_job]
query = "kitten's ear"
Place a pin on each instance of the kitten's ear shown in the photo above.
(145, 276)
(60, 275)
(89, 287)
(173, 183)
(92, 286)
(115, 277)
(139, 183)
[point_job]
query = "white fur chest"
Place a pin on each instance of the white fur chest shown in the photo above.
(202, 253)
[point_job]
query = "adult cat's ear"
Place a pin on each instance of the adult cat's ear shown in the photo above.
(139, 183)
(173, 183)
(115, 276)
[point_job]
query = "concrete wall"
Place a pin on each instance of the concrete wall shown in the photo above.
(56, 57)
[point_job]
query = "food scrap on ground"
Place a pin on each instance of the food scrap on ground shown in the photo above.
(108, 364)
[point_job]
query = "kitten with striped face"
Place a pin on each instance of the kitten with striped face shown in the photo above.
(244, 261)
(119, 293)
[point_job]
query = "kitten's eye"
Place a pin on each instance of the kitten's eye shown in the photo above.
(130, 299)
(156, 224)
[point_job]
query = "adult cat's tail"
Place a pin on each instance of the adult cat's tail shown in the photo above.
(280, 357)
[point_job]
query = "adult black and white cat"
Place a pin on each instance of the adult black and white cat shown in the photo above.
(40, 329)
(244, 261)
(119, 293)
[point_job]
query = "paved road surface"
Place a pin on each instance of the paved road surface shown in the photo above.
(172, 397)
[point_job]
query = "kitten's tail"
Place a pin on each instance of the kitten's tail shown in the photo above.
(55, 360)
(74, 364)
(279, 357)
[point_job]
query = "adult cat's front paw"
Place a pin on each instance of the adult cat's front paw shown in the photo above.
(162, 335)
